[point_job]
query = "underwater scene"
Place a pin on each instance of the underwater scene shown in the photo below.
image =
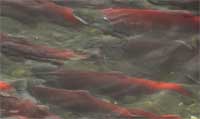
(99, 59)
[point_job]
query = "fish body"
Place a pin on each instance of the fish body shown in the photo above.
(33, 10)
(4, 86)
(65, 12)
(145, 19)
(112, 84)
(82, 101)
(19, 47)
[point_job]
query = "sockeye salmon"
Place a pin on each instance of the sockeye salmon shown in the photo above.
(12, 46)
(82, 101)
(144, 19)
(112, 84)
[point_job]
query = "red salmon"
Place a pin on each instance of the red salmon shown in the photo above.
(82, 101)
(112, 84)
(22, 48)
(152, 19)
(32, 10)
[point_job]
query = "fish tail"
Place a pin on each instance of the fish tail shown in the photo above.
(169, 116)
(150, 115)
(156, 86)
(174, 87)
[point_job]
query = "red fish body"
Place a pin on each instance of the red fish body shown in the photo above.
(112, 84)
(66, 12)
(22, 48)
(152, 19)
(33, 10)
(82, 101)
(4, 86)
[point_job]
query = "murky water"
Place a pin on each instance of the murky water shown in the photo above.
(92, 59)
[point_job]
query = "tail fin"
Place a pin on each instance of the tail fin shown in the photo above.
(151, 115)
(156, 86)
(174, 87)
(169, 116)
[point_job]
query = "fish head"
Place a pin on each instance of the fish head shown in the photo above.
(68, 14)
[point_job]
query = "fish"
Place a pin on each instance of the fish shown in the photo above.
(33, 10)
(5, 86)
(116, 85)
(65, 12)
(153, 20)
(82, 101)
(15, 106)
(20, 47)
(181, 4)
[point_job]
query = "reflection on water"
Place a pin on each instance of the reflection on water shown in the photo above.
(91, 59)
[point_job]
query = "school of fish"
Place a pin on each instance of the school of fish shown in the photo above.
(76, 90)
